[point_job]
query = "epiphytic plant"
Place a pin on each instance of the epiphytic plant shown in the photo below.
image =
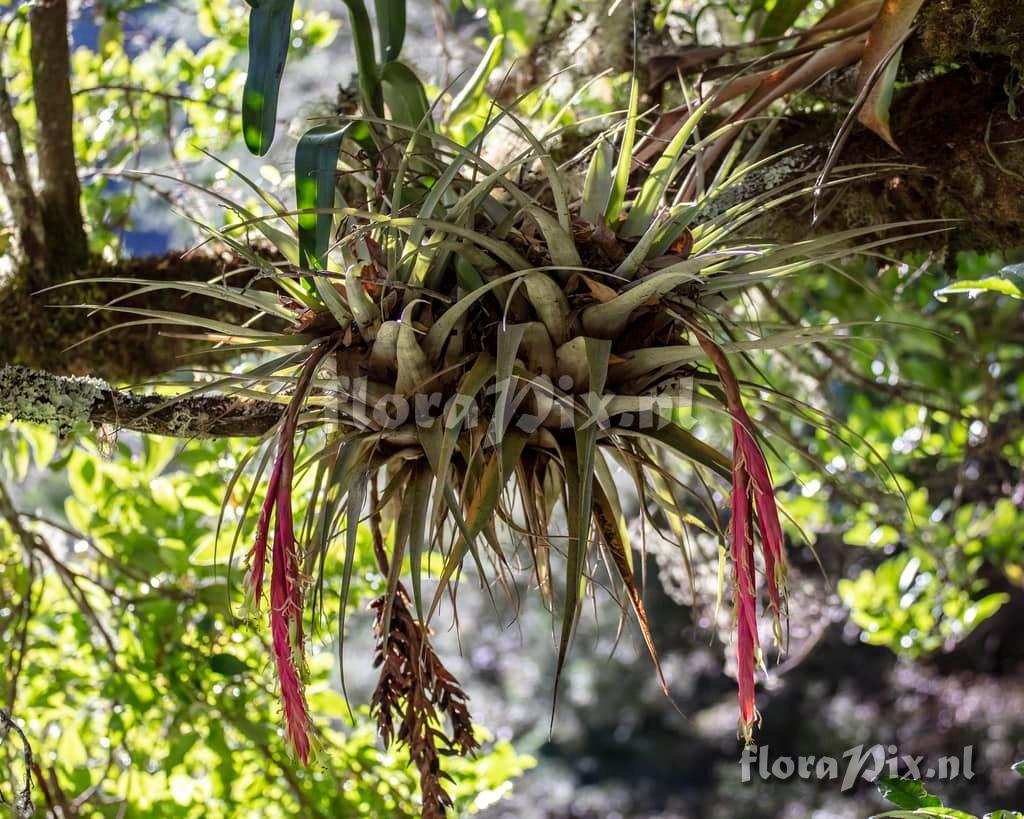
(488, 356)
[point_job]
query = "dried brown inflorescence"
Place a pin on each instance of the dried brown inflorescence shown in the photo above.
(415, 694)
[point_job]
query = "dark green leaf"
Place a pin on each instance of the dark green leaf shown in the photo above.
(390, 27)
(366, 57)
(270, 30)
(316, 161)
(227, 664)
(781, 17)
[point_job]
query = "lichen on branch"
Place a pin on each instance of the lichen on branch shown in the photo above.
(64, 402)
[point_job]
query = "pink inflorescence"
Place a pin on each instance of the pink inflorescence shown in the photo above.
(286, 596)
(752, 490)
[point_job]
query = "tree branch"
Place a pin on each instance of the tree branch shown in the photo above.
(963, 156)
(60, 191)
(210, 102)
(22, 804)
(62, 402)
(42, 330)
(16, 183)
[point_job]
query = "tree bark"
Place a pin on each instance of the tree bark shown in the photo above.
(16, 182)
(64, 402)
(58, 330)
(961, 158)
(60, 192)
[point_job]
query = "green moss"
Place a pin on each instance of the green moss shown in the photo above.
(950, 30)
(46, 330)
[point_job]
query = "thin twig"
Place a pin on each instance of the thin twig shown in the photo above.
(165, 95)
(22, 802)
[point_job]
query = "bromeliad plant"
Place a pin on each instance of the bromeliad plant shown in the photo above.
(866, 33)
(484, 350)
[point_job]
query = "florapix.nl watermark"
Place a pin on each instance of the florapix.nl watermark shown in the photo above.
(861, 762)
(522, 404)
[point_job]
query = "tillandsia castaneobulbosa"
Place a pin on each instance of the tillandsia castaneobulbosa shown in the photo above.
(483, 350)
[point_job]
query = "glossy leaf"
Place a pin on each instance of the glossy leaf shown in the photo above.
(316, 164)
(270, 31)
(390, 28)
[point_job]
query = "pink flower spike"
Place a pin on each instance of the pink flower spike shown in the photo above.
(258, 553)
(286, 611)
(293, 700)
(767, 510)
(746, 601)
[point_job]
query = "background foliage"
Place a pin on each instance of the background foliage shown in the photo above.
(139, 689)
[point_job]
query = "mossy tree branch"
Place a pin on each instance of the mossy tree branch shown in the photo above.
(49, 331)
(63, 402)
(962, 158)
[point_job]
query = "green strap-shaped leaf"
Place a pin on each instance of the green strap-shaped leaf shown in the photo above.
(598, 184)
(621, 180)
(316, 161)
(574, 561)
(598, 354)
(474, 87)
(270, 29)
(405, 96)
(366, 57)
(609, 320)
(390, 28)
(579, 478)
(406, 99)
(781, 17)
(665, 169)
(687, 445)
(607, 521)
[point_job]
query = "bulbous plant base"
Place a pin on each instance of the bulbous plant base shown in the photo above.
(453, 422)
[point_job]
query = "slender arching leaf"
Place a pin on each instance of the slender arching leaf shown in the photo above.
(475, 85)
(625, 161)
(390, 28)
(481, 510)
(270, 31)
(316, 162)
(575, 557)
(608, 525)
(405, 96)
(354, 508)
(781, 17)
(687, 445)
(608, 320)
(882, 56)
(665, 169)
(587, 424)
(473, 381)
(366, 57)
(407, 103)
(551, 172)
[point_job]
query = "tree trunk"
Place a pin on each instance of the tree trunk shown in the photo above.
(60, 193)
(29, 250)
